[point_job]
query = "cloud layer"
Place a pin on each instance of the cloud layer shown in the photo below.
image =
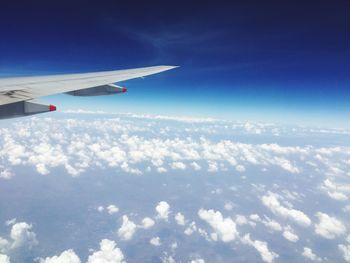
(242, 186)
(78, 145)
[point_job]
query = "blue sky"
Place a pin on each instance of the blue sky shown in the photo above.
(264, 61)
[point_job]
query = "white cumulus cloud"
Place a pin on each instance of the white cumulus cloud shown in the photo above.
(308, 253)
(197, 260)
(290, 235)
(261, 246)
(127, 229)
(178, 166)
(6, 174)
(4, 258)
(272, 224)
(163, 210)
(329, 227)
(108, 253)
(192, 227)
(67, 256)
(345, 250)
(155, 241)
(272, 201)
(147, 222)
(112, 209)
(225, 228)
(22, 235)
(180, 219)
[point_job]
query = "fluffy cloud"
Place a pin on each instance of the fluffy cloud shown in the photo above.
(147, 223)
(329, 227)
(67, 256)
(225, 228)
(240, 168)
(161, 170)
(228, 206)
(272, 201)
(163, 210)
(192, 227)
(261, 246)
(345, 250)
(108, 253)
(168, 259)
(4, 258)
(286, 165)
(336, 191)
(212, 167)
(6, 174)
(178, 166)
(112, 209)
(155, 241)
(127, 229)
(241, 220)
(4, 245)
(255, 217)
(272, 224)
(180, 219)
(308, 253)
(337, 196)
(290, 235)
(268, 222)
(22, 235)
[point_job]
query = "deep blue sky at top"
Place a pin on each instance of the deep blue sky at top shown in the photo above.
(261, 60)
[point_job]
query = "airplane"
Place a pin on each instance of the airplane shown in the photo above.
(18, 94)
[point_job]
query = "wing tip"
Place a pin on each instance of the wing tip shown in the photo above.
(169, 67)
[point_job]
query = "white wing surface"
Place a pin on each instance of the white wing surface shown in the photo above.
(27, 88)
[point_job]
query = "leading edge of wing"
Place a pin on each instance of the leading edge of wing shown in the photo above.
(120, 75)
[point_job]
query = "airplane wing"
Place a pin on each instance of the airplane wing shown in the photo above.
(19, 92)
